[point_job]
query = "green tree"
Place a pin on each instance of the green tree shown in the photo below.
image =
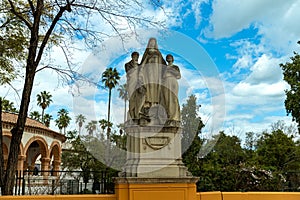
(277, 155)
(123, 94)
(191, 130)
(35, 115)
(80, 119)
(13, 40)
(44, 100)
(8, 105)
(63, 119)
(291, 74)
(110, 78)
(277, 151)
(31, 27)
(91, 127)
(78, 157)
(103, 125)
(47, 119)
(221, 167)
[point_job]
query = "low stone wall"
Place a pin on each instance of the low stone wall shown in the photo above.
(248, 196)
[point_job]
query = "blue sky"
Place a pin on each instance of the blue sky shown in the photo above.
(232, 51)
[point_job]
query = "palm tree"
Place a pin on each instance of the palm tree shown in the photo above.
(35, 115)
(47, 119)
(104, 124)
(110, 79)
(43, 100)
(91, 127)
(123, 94)
(8, 105)
(63, 120)
(80, 119)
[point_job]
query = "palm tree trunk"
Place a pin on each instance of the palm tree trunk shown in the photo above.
(43, 115)
(80, 126)
(108, 125)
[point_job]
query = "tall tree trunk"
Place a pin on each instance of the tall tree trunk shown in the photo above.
(1, 150)
(33, 59)
(108, 118)
(17, 133)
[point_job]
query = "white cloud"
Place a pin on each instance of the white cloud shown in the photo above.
(275, 21)
(265, 70)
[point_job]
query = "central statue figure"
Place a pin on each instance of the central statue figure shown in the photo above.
(147, 103)
(152, 65)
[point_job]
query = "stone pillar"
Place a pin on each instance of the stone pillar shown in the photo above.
(56, 167)
(21, 160)
(45, 162)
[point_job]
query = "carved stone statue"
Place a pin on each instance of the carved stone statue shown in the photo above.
(153, 129)
(132, 75)
(170, 91)
(153, 89)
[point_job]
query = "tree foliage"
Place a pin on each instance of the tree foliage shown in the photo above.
(44, 100)
(110, 79)
(269, 162)
(8, 105)
(291, 74)
(29, 28)
(191, 130)
(63, 120)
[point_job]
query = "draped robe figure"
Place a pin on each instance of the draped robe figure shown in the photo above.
(170, 91)
(151, 65)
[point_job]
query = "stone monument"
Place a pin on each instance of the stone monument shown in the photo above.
(153, 126)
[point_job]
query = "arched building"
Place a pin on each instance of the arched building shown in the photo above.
(38, 141)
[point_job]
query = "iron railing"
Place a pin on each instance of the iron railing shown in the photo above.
(64, 182)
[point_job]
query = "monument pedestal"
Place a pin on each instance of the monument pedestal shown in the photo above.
(132, 188)
(154, 168)
(154, 151)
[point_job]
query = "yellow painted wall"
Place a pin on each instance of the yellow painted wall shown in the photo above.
(199, 196)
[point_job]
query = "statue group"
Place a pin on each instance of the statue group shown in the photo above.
(152, 87)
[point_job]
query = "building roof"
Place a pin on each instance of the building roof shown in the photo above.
(11, 118)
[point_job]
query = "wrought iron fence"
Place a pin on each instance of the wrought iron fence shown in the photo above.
(64, 182)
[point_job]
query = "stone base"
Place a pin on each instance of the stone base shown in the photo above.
(154, 151)
(155, 188)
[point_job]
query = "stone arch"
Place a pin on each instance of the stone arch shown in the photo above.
(41, 144)
(55, 150)
(55, 157)
(7, 144)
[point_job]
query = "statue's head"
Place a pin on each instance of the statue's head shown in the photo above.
(135, 56)
(169, 58)
(152, 43)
